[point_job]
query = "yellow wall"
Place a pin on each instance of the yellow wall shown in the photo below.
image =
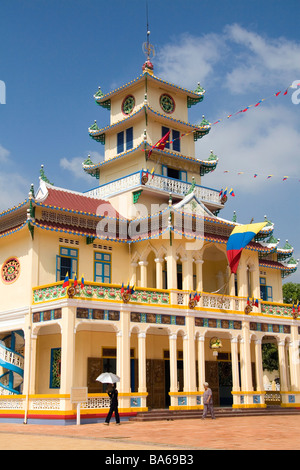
(18, 293)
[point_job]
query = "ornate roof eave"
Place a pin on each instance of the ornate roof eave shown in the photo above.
(92, 168)
(103, 99)
(14, 208)
(199, 130)
(285, 268)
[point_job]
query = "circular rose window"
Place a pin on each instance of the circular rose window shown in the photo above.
(128, 104)
(167, 103)
(10, 270)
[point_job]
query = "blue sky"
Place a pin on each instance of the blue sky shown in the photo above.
(54, 55)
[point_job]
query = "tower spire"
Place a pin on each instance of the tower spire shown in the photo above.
(148, 48)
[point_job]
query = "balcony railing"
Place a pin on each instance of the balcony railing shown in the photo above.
(168, 298)
(158, 182)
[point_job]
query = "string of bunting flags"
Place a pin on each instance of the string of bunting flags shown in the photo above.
(160, 145)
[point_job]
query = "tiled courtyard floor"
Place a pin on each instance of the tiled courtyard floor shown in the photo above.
(233, 433)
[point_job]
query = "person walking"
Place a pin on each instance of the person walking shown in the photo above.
(113, 395)
(208, 402)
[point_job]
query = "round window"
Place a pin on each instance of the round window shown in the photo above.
(128, 104)
(167, 103)
(10, 270)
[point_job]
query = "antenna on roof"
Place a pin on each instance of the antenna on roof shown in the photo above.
(148, 48)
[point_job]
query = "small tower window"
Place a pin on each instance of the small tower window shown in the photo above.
(128, 105)
(174, 139)
(125, 140)
(167, 103)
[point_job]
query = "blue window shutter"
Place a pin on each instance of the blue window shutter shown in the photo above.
(57, 268)
(176, 141)
(129, 138)
(164, 131)
(270, 293)
(120, 142)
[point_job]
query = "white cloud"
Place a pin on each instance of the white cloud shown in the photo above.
(263, 142)
(238, 58)
(74, 165)
(260, 59)
(190, 58)
(4, 154)
(10, 198)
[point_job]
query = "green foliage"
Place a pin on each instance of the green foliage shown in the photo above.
(270, 357)
(291, 292)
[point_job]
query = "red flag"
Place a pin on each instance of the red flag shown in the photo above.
(160, 144)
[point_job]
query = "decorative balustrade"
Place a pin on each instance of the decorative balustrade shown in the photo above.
(158, 182)
(100, 292)
(112, 293)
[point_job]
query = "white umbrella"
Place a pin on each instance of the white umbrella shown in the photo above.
(108, 378)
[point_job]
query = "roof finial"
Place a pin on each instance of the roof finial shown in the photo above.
(148, 49)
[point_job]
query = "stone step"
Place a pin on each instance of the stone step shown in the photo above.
(165, 414)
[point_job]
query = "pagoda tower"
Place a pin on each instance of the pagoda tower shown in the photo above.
(137, 170)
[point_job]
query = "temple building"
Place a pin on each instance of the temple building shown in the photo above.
(132, 277)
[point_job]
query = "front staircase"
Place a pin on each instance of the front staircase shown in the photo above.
(12, 363)
(170, 415)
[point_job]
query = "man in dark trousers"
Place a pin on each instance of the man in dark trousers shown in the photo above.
(113, 395)
(207, 402)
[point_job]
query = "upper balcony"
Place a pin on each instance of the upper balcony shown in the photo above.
(173, 301)
(159, 184)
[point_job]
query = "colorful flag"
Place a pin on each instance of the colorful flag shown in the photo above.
(66, 281)
(152, 172)
(132, 290)
(122, 288)
(239, 239)
(160, 144)
(255, 176)
(256, 303)
(82, 282)
(75, 281)
(285, 178)
(298, 307)
(221, 193)
(231, 192)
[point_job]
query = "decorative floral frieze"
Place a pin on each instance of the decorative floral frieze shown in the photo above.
(103, 292)
(277, 310)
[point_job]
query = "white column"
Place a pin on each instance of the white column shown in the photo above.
(282, 366)
(173, 363)
(235, 365)
(143, 266)
(199, 277)
(259, 366)
(246, 372)
(201, 362)
(159, 272)
(67, 349)
(142, 361)
(123, 352)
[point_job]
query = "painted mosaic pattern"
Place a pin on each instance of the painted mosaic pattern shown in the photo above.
(98, 292)
(277, 310)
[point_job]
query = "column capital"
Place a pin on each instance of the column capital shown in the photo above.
(159, 260)
(143, 263)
